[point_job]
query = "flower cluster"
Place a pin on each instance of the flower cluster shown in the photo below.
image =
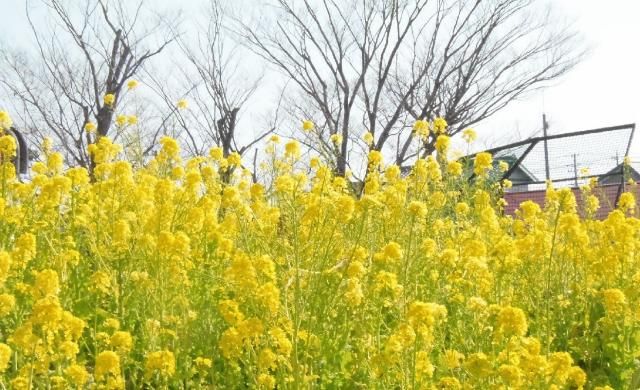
(167, 276)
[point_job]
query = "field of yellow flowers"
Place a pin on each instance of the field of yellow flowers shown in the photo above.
(164, 276)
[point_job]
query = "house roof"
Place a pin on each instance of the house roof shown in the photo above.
(511, 160)
(633, 174)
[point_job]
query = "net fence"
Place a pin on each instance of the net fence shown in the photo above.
(569, 160)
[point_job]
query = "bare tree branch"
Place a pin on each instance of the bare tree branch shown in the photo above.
(379, 66)
(84, 54)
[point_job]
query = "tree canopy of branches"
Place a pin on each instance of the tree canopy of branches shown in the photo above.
(90, 49)
(217, 86)
(378, 66)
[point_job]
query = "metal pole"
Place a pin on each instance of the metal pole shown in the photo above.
(575, 170)
(545, 127)
(622, 172)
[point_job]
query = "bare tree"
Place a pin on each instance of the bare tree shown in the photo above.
(377, 66)
(217, 88)
(492, 53)
(88, 51)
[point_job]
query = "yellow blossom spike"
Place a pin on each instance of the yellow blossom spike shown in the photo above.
(182, 104)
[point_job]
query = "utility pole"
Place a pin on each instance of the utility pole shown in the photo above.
(545, 127)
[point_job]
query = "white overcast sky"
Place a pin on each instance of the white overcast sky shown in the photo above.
(602, 91)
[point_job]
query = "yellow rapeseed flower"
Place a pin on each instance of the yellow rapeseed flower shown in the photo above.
(512, 321)
(375, 158)
(627, 201)
(421, 129)
(107, 362)
(368, 138)
(234, 159)
(478, 365)
(182, 104)
(307, 125)
(160, 362)
(454, 168)
(442, 143)
(109, 99)
(615, 301)
(77, 374)
(7, 304)
(469, 135)
(392, 251)
(132, 84)
(216, 153)
(440, 125)
(202, 363)
(8, 146)
(5, 356)
(122, 341)
(482, 163)
(121, 120)
(266, 381)
(417, 208)
(452, 359)
(5, 121)
(47, 283)
(90, 127)
(424, 368)
(292, 149)
(132, 120)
